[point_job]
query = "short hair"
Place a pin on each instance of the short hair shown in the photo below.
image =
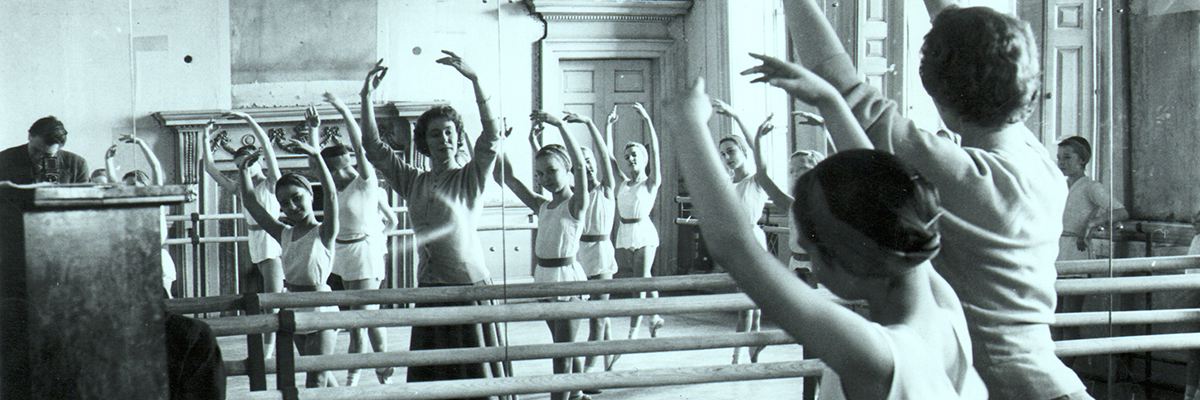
(876, 194)
(293, 179)
(808, 158)
(246, 150)
(139, 177)
(336, 150)
(99, 172)
(1081, 147)
(556, 150)
(426, 118)
(982, 64)
(50, 129)
(736, 139)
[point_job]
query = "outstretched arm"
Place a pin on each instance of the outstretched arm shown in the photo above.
(599, 148)
(110, 166)
(489, 140)
(579, 197)
(272, 166)
(803, 84)
(612, 162)
(253, 204)
(814, 39)
(209, 165)
(777, 195)
(528, 197)
(725, 109)
(843, 339)
(155, 166)
(389, 217)
(654, 179)
(366, 171)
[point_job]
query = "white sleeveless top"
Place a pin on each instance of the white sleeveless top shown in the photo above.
(262, 245)
(306, 261)
(635, 202)
(598, 257)
(753, 199)
(558, 232)
(358, 210)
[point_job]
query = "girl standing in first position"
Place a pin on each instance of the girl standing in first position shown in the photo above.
(560, 171)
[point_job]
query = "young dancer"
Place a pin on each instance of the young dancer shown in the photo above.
(362, 240)
(637, 238)
(444, 203)
(596, 252)
(871, 225)
(800, 162)
(560, 171)
(1002, 194)
(308, 245)
(134, 178)
(733, 150)
(265, 273)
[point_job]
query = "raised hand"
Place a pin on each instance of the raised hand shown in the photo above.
(612, 117)
(575, 118)
(793, 78)
(641, 110)
(722, 107)
(236, 114)
(112, 152)
(766, 127)
(539, 116)
(312, 118)
(694, 106)
(374, 78)
(209, 126)
(457, 62)
(297, 146)
(508, 131)
(334, 100)
(128, 138)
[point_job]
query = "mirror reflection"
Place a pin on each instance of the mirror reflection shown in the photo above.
(517, 178)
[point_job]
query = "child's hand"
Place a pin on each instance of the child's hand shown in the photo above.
(723, 108)
(576, 118)
(112, 152)
(333, 99)
(236, 114)
(312, 118)
(693, 105)
(612, 117)
(539, 116)
(374, 78)
(641, 110)
(209, 126)
(128, 138)
(793, 78)
(457, 62)
(297, 146)
(766, 127)
(508, 131)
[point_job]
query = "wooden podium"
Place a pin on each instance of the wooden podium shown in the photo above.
(81, 315)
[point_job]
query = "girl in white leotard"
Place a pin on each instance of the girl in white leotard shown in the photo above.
(308, 245)
(266, 270)
(596, 252)
(637, 190)
(560, 226)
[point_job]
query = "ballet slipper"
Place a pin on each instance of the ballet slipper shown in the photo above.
(754, 353)
(656, 323)
(352, 378)
(385, 374)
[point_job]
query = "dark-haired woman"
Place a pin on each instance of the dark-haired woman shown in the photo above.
(444, 204)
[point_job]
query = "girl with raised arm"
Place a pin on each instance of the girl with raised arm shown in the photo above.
(362, 239)
(308, 245)
(265, 273)
(138, 178)
(1003, 194)
(560, 171)
(871, 225)
(637, 238)
(596, 252)
(445, 204)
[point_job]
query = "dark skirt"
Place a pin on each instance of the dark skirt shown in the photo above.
(448, 337)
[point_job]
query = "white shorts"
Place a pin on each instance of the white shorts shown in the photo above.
(570, 273)
(360, 260)
(597, 258)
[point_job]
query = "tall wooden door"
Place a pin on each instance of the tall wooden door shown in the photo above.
(1068, 68)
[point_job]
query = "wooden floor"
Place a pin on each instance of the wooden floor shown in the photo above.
(234, 348)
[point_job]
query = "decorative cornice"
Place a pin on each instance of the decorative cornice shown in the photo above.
(619, 11)
(268, 115)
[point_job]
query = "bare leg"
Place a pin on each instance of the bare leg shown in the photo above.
(318, 343)
(272, 282)
(599, 328)
(564, 331)
(644, 262)
(359, 337)
(744, 322)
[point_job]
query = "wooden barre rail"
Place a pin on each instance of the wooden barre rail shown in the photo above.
(554, 383)
(522, 352)
(708, 282)
(312, 321)
(1127, 284)
(1127, 265)
(1137, 317)
(1127, 344)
